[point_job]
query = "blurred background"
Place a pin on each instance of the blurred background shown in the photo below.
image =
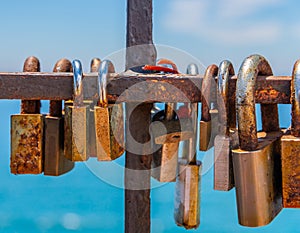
(202, 31)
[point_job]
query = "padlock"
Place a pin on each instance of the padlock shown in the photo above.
(76, 120)
(165, 159)
(95, 64)
(290, 148)
(55, 162)
(188, 182)
(227, 138)
(109, 121)
(192, 109)
(209, 117)
(257, 162)
(27, 131)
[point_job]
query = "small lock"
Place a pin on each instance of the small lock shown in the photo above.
(76, 121)
(227, 138)
(290, 148)
(188, 180)
(109, 121)
(55, 162)
(257, 162)
(27, 131)
(209, 117)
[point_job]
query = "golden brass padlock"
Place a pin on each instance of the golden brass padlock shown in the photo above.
(188, 182)
(109, 121)
(76, 121)
(290, 148)
(27, 131)
(55, 162)
(209, 117)
(227, 138)
(95, 64)
(257, 162)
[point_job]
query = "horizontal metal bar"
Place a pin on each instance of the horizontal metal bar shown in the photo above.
(130, 87)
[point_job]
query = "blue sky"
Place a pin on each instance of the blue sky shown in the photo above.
(210, 30)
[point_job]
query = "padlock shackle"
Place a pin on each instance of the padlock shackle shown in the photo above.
(63, 65)
(78, 84)
(95, 64)
(31, 64)
(225, 98)
(210, 73)
(295, 99)
(106, 67)
(251, 67)
(192, 69)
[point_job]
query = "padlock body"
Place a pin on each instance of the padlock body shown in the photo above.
(27, 131)
(109, 131)
(208, 131)
(91, 129)
(171, 131)
(257, 176)
(164, 162)
(223, 166)
(187, 199)
(76, 122)
(55, 163)
(290, 151)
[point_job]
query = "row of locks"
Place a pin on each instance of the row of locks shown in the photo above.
(261, 166)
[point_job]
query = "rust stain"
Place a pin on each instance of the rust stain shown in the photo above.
(26, 144)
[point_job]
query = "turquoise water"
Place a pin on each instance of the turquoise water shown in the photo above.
(81, 202)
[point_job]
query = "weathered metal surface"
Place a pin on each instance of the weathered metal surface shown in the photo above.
(55, 163)
(172, 131)
(138, 119)
(109, 126)
(206, 138)
(26, 144)
(187, 199)
(290, 148)
(76, 133)
(245, 101)
(129, 87)
(257, 176)
(227, 138)
(76, 121)
(257, 162)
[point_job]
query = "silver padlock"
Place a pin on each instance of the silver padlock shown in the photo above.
(227, 138)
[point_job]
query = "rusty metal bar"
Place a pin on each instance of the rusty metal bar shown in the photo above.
(140, 49)
(132, 88)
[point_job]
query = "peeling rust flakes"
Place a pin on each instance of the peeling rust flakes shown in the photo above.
(269, 94)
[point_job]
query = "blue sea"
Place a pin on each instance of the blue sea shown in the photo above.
(80, 201)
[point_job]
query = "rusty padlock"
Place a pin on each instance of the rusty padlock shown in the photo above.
(27, 131)
(165, 159)
(227, 138)
(109, 120)
(290, 148)
(188, 182)
(209, 117)
(55, 162)
(257, 162)
(76, 120)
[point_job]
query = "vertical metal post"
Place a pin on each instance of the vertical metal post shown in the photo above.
(140, 50)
